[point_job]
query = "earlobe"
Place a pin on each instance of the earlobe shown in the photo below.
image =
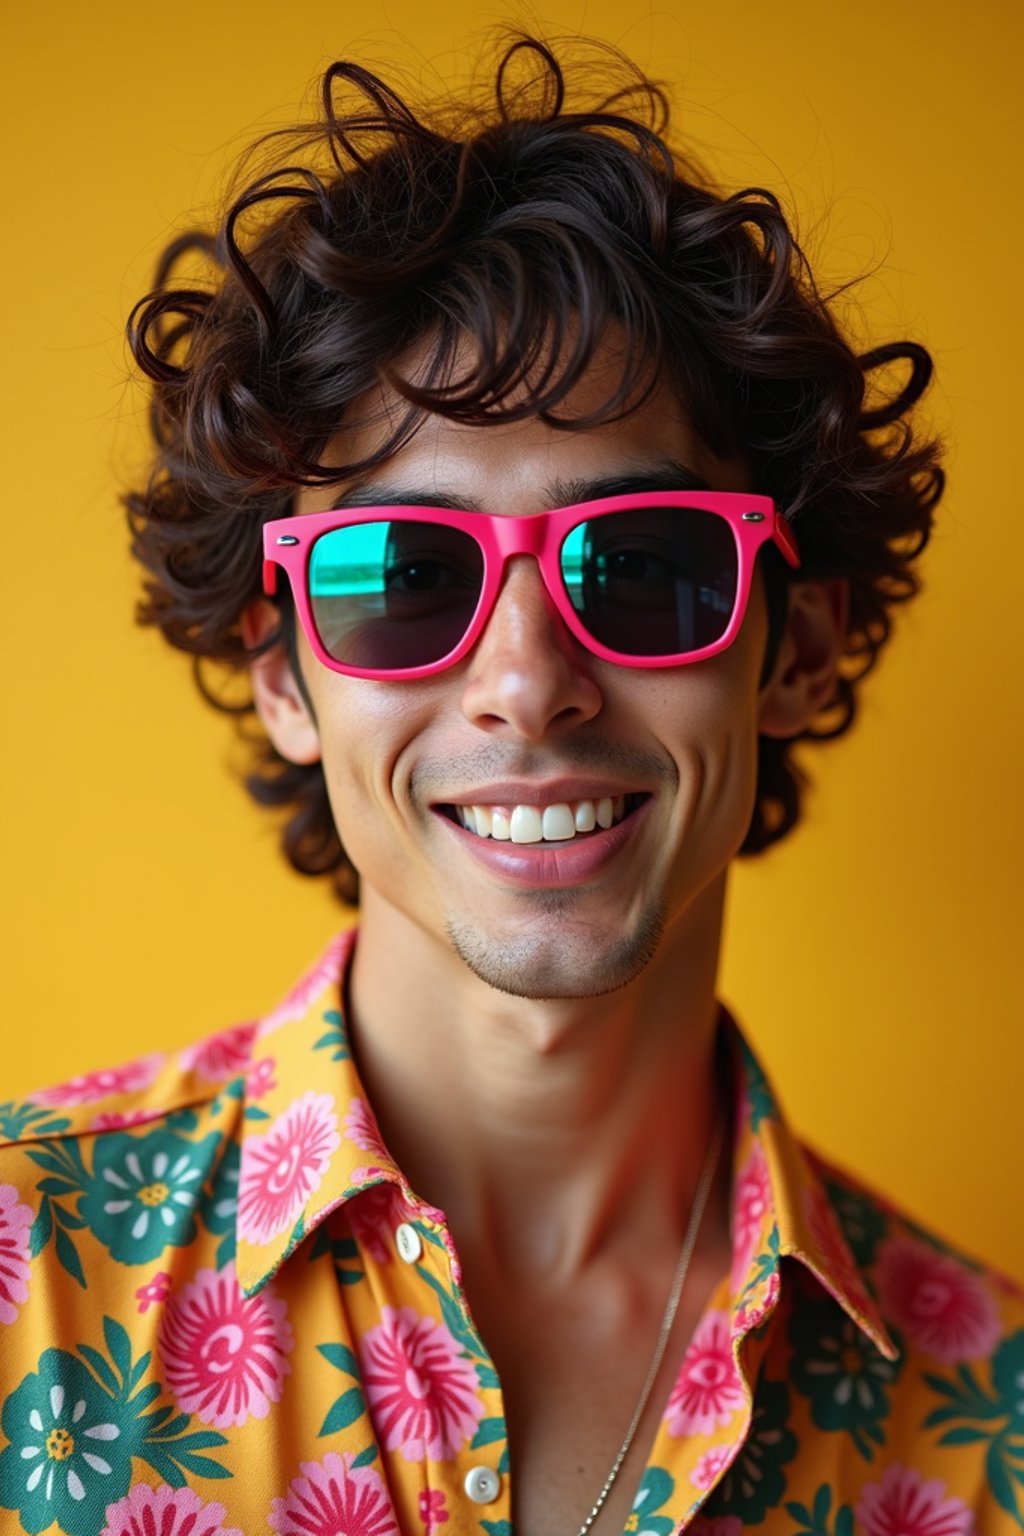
(807, 665)
(276, 693)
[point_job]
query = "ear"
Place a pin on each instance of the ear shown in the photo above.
(807, 665)
(275, 690)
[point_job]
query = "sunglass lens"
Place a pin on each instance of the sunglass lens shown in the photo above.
(660, 581)
(388, 595)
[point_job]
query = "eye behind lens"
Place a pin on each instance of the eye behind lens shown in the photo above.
(655, 581)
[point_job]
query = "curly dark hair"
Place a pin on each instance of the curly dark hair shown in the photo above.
(529, 221)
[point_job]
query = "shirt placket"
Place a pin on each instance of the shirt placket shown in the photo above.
(463, 1483)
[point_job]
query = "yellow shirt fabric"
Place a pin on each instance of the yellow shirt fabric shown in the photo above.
(224, 1311)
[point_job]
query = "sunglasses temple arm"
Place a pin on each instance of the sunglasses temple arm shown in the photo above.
(786, 540)
(269, 577)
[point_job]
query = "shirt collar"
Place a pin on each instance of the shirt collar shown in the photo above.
(309, 1142)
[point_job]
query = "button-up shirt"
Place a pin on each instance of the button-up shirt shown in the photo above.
(224, 1310)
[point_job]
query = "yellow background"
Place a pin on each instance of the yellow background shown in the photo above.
(875, 960)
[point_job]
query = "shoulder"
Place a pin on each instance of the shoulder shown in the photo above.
(940, 1299)
(944, 1415)
(114, 1166)
(131, 1093)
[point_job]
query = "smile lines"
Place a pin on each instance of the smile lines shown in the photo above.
(558, 823)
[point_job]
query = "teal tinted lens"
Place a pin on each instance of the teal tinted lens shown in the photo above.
(660, 581)
(389, 595)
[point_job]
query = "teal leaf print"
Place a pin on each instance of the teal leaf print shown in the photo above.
(815, 1521)
(254, 1112)
(66, 1177)
(1008, 1379)
(488, 1432)
(498, 1527)
(186, 1119)
(26, 1119)
(365, 1458)
(144, 1191)
(863, 1224)
(976, 1413)
(341, 1356)
(455, 1318)
(765, 1265)
(334, 1040)
(74, 1426)
(67, 1255)
(219, 1208)
(999, 1479)
(42, 1228)
(343, 1250)
(841, 1373)
(655, 1490)
(759, 1095)
(963, 1436)
(67, 1218)
(756, 1482)
(351, 1405)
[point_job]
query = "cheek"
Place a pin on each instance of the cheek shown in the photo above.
(365, 729)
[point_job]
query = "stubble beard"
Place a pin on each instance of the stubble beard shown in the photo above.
(546, 963)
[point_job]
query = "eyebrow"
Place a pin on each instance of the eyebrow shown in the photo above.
(664, 475)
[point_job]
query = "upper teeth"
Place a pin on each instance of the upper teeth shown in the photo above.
(541, 823)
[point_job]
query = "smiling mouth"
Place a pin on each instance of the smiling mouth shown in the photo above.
(562, 822)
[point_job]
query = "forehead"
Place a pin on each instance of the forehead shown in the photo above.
(523, 466)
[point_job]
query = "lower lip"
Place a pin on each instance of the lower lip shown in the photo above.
(550, 866)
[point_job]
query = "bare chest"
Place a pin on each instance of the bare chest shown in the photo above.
(571, 1392)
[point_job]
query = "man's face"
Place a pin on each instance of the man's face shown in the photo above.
(531, 718)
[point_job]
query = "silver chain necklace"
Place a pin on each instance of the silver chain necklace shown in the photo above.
(700, 1200)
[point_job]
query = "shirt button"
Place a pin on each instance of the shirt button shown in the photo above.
(408, 1242)
(482, 1485)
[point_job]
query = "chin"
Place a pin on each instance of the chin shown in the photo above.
(550, 965)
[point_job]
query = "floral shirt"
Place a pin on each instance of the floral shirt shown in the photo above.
(223, 1311)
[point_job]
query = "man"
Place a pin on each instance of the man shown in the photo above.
(536, 488)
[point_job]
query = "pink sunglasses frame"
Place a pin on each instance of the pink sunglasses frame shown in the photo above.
(754, 520)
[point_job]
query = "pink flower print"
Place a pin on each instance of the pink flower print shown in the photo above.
(433, 1508)
(165, 1511)
(224, 1352)
(835, 1250)
(281, 1169)
(750, 1316)
(707, 1389)
(904, 1504)
(420, 1387)
(154, 1292)
(751, 1203)
(332, 1496)
(361, 1127)
(118, 1119)
(704, 1473)
(219, 1056)
(940, 1305)
(259, 1079)
(92, 1086)
(326, 974)
(373, 1216)
(715, 1525)
(15, 1224)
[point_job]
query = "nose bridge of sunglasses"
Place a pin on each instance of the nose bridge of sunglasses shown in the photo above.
(521, 535)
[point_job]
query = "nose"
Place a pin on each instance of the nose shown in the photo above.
(528, 676)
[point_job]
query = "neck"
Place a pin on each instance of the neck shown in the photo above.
(553, 1131)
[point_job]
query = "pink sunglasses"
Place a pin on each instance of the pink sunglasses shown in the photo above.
(654, 579)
